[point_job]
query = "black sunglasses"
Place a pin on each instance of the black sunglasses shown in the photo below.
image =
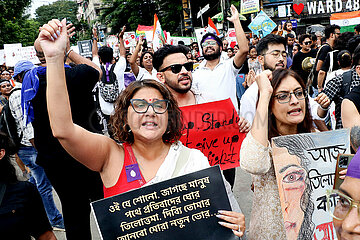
(176, 68)
(307, 43)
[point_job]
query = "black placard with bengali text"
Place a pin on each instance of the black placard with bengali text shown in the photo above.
(85, 48)
(180, 208)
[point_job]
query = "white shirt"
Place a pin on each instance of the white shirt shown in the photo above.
(250, 98)
(248, 102)
(219, 83)
(119, 69)
(144, 74)
(224, 55)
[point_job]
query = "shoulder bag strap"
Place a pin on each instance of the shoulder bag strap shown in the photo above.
(127, 147)
(313, 70)
(345, 88)
(181, 161)
(331, 61)
(2, 191)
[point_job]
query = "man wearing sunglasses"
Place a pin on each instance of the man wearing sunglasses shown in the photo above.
(216, 77)
(174, 71)
(305, 52)
(346, 213)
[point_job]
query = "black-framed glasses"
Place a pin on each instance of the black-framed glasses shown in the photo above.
(307, 43)
(276, 54)
(142, 106)
(284, 97)
(176, 68)
(339, 204)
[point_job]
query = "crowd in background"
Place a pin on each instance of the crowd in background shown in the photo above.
(299, 83)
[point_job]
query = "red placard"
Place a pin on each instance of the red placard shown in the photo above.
(213, 129)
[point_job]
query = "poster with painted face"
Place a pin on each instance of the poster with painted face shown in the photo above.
(305, 168)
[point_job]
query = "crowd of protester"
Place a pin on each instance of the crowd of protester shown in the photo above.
(82, 120)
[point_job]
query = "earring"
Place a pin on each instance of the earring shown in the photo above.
(127, 128)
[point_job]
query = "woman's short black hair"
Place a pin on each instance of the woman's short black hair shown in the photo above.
(142, 57)
(119, 123)
(106, 54)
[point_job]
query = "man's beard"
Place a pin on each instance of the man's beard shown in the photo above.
(176, 87)
(212, 56)
(267, 67)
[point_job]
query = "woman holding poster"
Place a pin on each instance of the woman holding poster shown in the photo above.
(282, 110)
(147, 121)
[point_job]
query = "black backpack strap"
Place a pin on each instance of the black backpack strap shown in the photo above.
(112, 67)
(2, 191)
(345, 88)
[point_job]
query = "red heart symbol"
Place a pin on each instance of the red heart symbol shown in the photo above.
(298, 8)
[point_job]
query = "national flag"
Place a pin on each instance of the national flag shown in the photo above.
(347, 20)
(212, 28)
(157, 34)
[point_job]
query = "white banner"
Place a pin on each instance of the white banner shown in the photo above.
(129, 39)
(29, 53)
(2, 57)
(249, 6)
(12, 54)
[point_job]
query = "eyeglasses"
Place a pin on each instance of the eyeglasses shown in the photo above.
(307, 43)
(176, 68)
(142, 106)
(209, 43)
(285, 97)
(339, 205)
(276, 54)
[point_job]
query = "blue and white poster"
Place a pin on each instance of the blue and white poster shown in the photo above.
(262, 25)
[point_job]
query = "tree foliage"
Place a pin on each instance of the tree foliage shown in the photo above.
(134, 12)
(64, 9)
(14, 26)
(57, 10)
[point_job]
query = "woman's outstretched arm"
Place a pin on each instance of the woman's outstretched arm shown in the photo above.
(92, 150)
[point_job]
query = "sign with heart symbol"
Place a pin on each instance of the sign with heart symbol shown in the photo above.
(298, 8)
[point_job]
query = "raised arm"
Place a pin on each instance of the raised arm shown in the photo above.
(122, 48)
(92, 150)
(94, 49)
(240, 56)
(259, 129)
(254, 152)
(349, 114)
(75, 57)
(134, 56)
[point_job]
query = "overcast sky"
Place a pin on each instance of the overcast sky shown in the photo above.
(37, 3)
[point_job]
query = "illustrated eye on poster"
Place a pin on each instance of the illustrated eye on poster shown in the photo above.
(305, 168)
